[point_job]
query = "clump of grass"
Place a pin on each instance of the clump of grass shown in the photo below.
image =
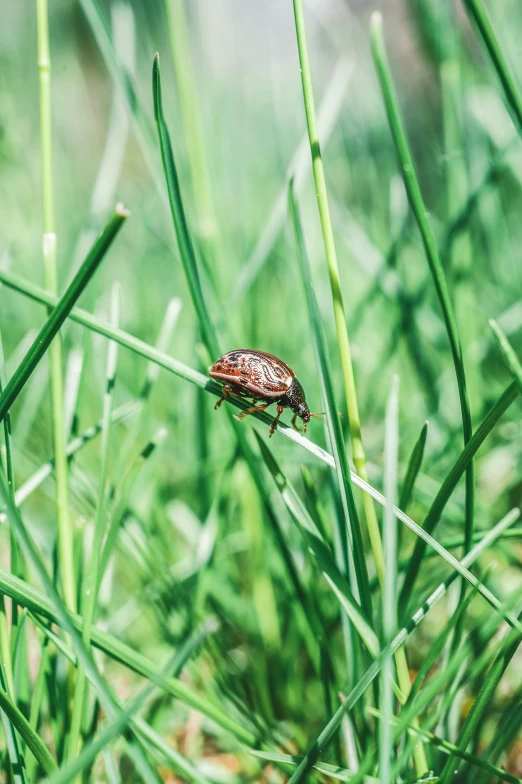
(186, 600)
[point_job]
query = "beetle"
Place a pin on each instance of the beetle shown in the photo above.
(261, 377)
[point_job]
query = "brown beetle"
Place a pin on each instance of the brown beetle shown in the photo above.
(261, 376)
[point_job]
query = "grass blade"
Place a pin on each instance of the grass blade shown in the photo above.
(61, 311)
(351, 517)
(372, 672)
(319, 550)
(65, 530)
(447, 487)
(90, 579)
(343, 341)
(27, 733)
(476, 10)
(341, 774)
(389, 596)
(27, 596)
(414, 466)
(508, 353)
(411, 183)
(185, 245)
(449, 484)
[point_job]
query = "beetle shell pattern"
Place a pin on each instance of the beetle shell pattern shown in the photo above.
(253, 373)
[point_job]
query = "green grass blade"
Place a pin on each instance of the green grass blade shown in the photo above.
(187, 89)
(27, 733)
(123, 79)
(509, 395)
(320, 552)
(343, 341)
(450, 482)
(508, 353)
(126, 713)
(412, 185)
(448, 748)
(185, 245)
(372, 672)
(65, 530)
(476, 10)
(6, 663)
(444, 493)
(27, 596)
(389, 593)
(414, 466)
(61, 311)
(90, 578)
(341, 774)
(351, 517)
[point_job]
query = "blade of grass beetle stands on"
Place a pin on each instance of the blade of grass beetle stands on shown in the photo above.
(62, 310)
(508, 353)
(412, 185)
(476, 10)
(446, 488)
(414, 466)
(319, 549)
(371, 673)
(351, 517)
(27, 596)
(151, 353)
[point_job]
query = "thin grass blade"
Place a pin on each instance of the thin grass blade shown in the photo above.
(61, 311)
(372, 672)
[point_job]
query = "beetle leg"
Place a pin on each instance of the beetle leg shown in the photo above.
(249, 411)
(294, 423)
(271, 432)
(227, 391)
(252, 410)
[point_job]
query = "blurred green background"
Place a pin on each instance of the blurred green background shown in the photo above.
(194, 539)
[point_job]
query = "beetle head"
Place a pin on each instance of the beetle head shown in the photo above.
(297, 401)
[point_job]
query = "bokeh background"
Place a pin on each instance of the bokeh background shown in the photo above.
(193, 537)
